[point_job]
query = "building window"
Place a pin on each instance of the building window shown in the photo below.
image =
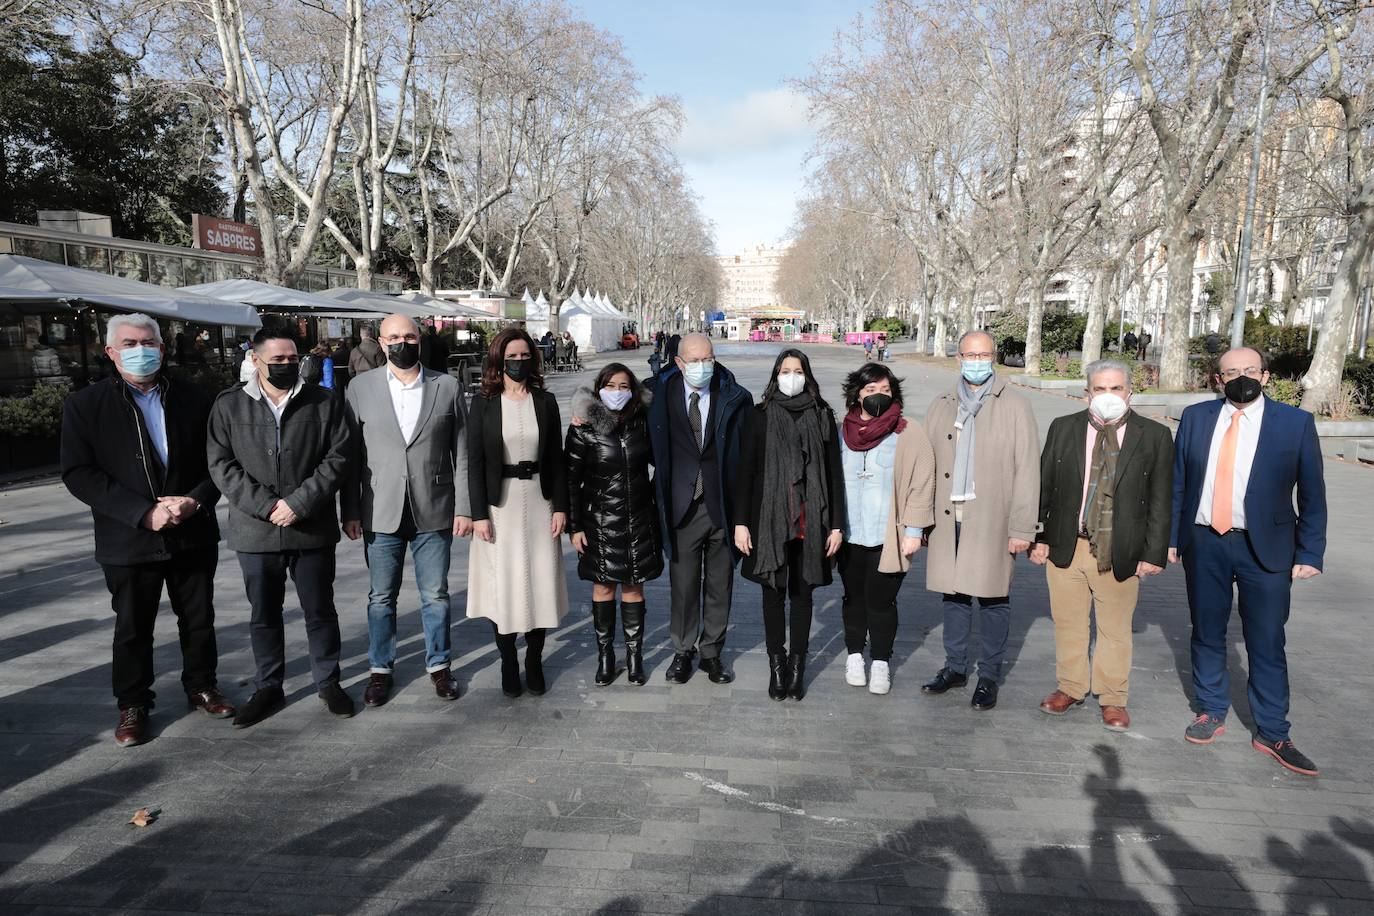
(34, 248)
(89, 257)
(165, 270)
(132, 265)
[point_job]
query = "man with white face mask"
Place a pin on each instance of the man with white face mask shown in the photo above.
(1106, 478)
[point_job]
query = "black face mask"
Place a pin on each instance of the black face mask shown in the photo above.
(283, 376)
(519, 369)
(875, 405)
(1242, 389)
(403, 355)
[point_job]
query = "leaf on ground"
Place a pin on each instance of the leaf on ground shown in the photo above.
(144, 816)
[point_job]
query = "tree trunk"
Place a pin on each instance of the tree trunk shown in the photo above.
(1291, 300)
(941, 333)
(1174, 373)
(963, 316)
(1097, 318)
(1035, 317)
(363, 266)
(922, 332)
(1322, 384)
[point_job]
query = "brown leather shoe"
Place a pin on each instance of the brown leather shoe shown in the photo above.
(1115, 718)
(378, 690)
(445, 684)
(1058, 703)
(133, 726)
(211, 702)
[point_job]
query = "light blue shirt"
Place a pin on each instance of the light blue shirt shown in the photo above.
(154, 417)
(868, 492)
(705, 403)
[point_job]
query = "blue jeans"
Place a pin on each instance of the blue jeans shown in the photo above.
(386, 557)
(996, 614)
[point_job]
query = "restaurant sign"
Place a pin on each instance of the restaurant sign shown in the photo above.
(214, 234)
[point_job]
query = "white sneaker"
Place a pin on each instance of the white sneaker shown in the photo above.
(879, 679)
(854, 674)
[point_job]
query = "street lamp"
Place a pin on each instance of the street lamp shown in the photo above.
(1248, 229)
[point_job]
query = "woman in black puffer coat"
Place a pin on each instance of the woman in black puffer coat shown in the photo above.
(613, 517)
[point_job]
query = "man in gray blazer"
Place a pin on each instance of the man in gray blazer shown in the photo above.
(407, 425)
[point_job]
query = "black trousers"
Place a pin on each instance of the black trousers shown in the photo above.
(135, 593)
(701, 557)
(264, 579)
(870, 601)
(775, 620)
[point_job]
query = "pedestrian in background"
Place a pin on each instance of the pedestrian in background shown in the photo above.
(367, 354)
(612, 512)
(987, 505)
(1106, 490)
(133, 449)
(1239, 466)
(408, 489)
(279, 450)
(889, 482)
(791, 511)
(518, 491)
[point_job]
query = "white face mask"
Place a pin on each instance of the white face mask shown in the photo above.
(1107, 407)
(790, 384)
(615, 398)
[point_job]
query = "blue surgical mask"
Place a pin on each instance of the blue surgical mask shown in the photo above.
(140, 362)
(698, 375)
(615, 398)
(976, 371)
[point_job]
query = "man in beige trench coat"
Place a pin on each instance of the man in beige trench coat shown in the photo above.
(987, 500)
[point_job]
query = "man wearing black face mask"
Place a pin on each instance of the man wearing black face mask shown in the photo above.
(279, 451)
(1237, 464)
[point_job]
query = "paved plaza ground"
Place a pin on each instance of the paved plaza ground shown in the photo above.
(685, 799)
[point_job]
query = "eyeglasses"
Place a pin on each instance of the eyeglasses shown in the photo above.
(975, 356)
(1252, 371)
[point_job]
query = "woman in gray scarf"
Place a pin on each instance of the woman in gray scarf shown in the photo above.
(791, 495)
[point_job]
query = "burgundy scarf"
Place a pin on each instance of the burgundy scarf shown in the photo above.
(861, 436)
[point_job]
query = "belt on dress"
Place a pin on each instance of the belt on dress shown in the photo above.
(524, 470)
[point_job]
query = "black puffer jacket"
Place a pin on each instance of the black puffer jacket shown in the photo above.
(611, 497)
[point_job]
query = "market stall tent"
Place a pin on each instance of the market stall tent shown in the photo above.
(280, 299)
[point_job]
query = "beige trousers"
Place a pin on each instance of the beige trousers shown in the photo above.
(1074, 591)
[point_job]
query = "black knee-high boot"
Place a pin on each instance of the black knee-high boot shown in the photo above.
(510, 664)
(632, 619)
(603, 621)
(534, 661)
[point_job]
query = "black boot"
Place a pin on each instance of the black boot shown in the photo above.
(534, 662)
(798, 665)
(510, 665)
(777, 676)
(632, 619)
(603, 621)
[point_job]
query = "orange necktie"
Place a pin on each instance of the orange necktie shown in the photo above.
(1225, 484)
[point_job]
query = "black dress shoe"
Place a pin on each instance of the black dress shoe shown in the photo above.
(716, 671)
(133, 726)
(263, 703)
(339, 703)
(445, 684)
(680, 668)
(378, 689)
(1289, 757)
(798, 665)
(947, 679)
(777, 675)
(211, 702)
(984, 695)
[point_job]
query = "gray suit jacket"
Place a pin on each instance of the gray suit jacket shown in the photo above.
(435, 458)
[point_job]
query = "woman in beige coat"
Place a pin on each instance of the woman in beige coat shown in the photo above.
(987, 495)
(889, 482)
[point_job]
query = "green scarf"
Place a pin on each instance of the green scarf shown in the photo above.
(1097, 511)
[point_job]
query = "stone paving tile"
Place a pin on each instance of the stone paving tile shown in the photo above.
(580, 801)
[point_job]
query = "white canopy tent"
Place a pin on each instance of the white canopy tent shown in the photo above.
(444, 308)
(30, 280)
(377, 302)
(280, 298)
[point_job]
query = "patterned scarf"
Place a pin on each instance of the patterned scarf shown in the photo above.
(1097, 510)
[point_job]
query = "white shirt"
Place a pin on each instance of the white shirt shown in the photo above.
(1252, 415)
(704, 404)
(406, 400)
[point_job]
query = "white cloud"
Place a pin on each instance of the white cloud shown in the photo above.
(762, 120)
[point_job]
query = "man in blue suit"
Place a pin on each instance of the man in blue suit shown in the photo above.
(1237, 464)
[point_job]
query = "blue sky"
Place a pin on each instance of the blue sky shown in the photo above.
(747, 133)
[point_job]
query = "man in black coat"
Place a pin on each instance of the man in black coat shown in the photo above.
(1106, 491)
(133, 449)
(280, 450)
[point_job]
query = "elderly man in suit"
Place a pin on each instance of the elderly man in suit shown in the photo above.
(1237, 465)
(1105, 497)
(408, 428)
(987, 497)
